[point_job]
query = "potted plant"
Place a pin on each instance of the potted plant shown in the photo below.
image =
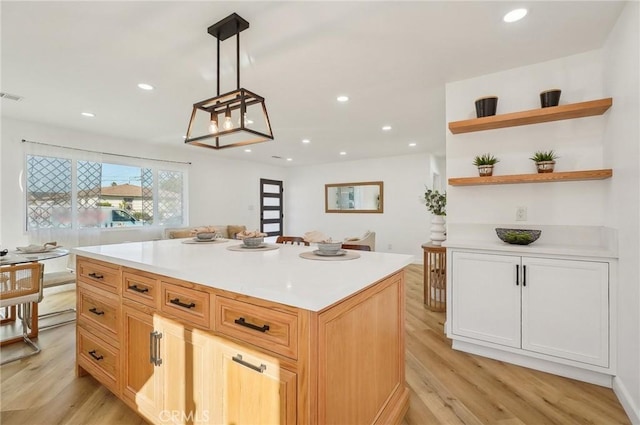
(485, 164)
(545, 160)
(436, 203)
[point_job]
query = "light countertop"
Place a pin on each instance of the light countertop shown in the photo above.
(278, 275)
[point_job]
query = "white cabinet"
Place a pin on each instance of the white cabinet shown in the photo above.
(555, 307)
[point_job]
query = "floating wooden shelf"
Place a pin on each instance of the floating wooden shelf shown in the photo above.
(565, 176)
(534, 116)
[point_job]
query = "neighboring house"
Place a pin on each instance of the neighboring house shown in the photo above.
(126, 195)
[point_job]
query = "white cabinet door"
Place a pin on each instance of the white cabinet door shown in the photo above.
(565, 309)
(486, 297)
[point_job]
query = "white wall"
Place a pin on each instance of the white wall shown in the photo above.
(220, 191)
(405, 222)
(622, 150)
(578, 142)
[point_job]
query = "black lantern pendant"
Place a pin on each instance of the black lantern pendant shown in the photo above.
(245, 115)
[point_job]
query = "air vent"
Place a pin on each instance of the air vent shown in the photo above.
(10, 96)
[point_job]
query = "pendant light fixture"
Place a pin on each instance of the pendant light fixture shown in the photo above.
(236, 118)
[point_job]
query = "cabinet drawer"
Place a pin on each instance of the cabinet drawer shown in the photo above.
(186, 303)
(99, 312)
(102, 275)
(99, 358)
(270, 329)
(142, 289)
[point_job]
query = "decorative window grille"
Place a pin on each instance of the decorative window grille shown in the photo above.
(48, 192)
(56, 200)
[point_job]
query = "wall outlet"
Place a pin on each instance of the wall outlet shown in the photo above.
(521, 214)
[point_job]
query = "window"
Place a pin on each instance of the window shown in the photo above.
(66, 193)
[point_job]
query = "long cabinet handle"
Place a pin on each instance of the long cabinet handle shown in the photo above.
(154, 348)
(177, 301)
(93, 354)
(96, 276)
(524, 275)
(238, 359)
(141, 290)
(95, 311)
(517, 275)
(242, 322)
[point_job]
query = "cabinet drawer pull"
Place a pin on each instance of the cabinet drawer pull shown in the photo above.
(238, 359)
(96, 276)
(240, 321)
(154, 348)
(93, 354)
(177, 301)
(95, 311)
(517, 275)
(524, 275)
(141, 290)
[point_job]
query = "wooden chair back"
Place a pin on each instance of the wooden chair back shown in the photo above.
(292, 240)
(354, 246)
(20, 283)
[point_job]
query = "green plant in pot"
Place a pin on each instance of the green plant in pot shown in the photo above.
(436, 203)
(545, 161)
(485, 164)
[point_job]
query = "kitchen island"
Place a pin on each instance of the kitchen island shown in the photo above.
(198, 333)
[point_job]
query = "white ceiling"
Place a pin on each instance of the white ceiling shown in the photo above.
(391, 58)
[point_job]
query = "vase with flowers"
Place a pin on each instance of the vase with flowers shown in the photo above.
(436, 203)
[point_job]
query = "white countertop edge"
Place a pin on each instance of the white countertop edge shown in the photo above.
(314, 294)
(534, 249)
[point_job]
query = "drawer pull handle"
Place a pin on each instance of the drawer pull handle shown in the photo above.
(95, 311)
(517, 275)
(177, 301)
(141, 290)
(154, 348)
(96, 276)
(238, 359)
(524, 275)
(93, 354)
(240, 321)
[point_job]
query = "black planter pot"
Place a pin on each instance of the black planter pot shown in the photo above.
(550, 98)
(486, 106)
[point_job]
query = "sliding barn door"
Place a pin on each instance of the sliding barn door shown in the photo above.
(271, 207)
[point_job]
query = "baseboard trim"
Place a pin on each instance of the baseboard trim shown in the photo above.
(628, 404)
(567, 371)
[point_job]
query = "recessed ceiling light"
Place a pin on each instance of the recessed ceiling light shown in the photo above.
(88, 114)
(342, 98)
(306, 141)
(515, 15)
(145, 86)
(247, 150)
(289, 159)
(386, 128)
(343, 153)
(412, 144)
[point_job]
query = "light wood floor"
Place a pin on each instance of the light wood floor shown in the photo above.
(447, 387)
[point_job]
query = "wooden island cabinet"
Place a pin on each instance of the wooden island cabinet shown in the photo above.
(179, 352)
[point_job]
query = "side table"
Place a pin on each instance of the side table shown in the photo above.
(435, 277)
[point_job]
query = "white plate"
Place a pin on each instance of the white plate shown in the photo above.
(262, 245)
(323, 254)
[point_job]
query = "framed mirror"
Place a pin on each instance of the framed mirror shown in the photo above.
(362, 197)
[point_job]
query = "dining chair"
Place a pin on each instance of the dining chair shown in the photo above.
(21, 285)
(355, 246)
(54, 279)
(292, 240)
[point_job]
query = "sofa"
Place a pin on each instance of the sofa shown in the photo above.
(227, 231)
(369, 238)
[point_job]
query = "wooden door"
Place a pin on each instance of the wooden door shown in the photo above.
(187, 374)
(140, 376)
(253, 388)
(486, 297)
(565, 309)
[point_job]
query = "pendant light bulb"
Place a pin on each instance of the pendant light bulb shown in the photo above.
(213, 125)
(228, 124)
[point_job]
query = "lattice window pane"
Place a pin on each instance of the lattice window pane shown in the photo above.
(147, 195)
(170, 198)
(48, 192)
(88, 196)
